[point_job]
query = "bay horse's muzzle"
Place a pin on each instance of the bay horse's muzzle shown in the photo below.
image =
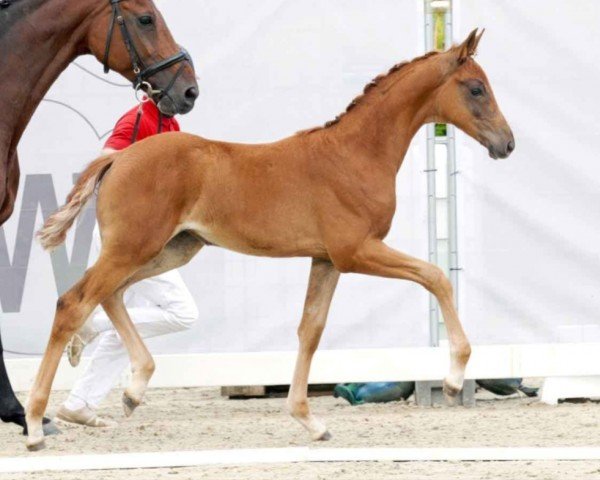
(180, 100)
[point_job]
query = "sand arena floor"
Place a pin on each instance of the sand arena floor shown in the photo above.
(199, 418)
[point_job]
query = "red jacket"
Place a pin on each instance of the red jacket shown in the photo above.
(122, 135)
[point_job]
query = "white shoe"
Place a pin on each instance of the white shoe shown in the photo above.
(78, 342)
(84, 416)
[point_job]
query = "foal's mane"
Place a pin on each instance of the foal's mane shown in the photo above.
(369, 87)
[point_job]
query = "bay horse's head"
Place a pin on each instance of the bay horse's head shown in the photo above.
(466, 100)
(132, 38)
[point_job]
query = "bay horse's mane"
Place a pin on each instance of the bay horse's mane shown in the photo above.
(368, 88)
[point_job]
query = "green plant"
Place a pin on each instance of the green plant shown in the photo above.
(440, 130)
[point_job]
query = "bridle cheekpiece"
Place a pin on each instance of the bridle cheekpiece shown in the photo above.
(141, 72)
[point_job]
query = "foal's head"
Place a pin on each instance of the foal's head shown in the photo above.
(152, 55)
(466, 100)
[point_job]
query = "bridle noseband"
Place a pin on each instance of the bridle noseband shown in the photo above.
(142, 73)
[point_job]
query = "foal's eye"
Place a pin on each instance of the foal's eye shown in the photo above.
(476, 92)
(146, 20)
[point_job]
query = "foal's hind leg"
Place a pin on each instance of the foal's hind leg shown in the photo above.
(72, 309)
(142, 364)
(176, 253)
(322, 283)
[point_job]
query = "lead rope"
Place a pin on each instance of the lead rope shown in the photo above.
(138, 120)
(160, 120)
(140, 112)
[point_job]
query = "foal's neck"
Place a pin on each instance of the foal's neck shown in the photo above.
(382, 122)
(38, 40)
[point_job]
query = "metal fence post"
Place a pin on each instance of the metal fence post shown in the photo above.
(431, 194)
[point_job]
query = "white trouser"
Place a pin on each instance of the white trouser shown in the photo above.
(157, 306)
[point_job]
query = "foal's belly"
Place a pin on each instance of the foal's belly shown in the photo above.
(277, 243)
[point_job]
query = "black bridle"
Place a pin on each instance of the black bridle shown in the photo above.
(142, 73)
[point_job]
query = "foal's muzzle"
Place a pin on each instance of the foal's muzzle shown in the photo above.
(501, 147)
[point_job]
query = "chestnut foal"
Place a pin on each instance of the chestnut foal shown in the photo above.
(326, 193)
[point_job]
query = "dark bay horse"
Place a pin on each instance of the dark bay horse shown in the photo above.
(326, 193)
(38, 40)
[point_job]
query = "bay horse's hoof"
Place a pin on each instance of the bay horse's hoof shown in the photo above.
(50, 428)
(48, 425)
(129, 404)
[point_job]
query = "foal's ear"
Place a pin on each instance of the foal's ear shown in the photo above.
(469, 46)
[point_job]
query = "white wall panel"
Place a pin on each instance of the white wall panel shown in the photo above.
(266, 69)
(530, 224)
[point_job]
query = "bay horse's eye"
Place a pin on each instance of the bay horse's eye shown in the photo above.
(146, 20)
(476, 92)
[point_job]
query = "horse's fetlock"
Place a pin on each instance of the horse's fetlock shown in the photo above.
(151, 367)
(148, 367)
(35, 406)
(464, 351)
(298, 409)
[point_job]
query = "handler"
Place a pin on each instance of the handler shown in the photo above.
(157, 305)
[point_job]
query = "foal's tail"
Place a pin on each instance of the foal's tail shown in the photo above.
(54, 231)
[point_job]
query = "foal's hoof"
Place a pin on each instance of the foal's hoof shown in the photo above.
(322, 437)
(451, 392)
(35, 444)
(129, 404)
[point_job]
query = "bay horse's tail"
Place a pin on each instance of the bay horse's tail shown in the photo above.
(54, 231)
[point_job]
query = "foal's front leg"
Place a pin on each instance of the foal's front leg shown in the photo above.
(322, 283)
(376, 258)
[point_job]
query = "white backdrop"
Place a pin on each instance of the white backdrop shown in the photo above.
(266, 69)
(530, 225)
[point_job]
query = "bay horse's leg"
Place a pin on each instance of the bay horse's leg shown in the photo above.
(376, 258)
(7, 203)
(11, 409)
(321, 286)
(72, 309)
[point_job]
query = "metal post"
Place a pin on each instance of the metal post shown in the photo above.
(452, 172)
(434, 314)
(430, 393)
(431, 194)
